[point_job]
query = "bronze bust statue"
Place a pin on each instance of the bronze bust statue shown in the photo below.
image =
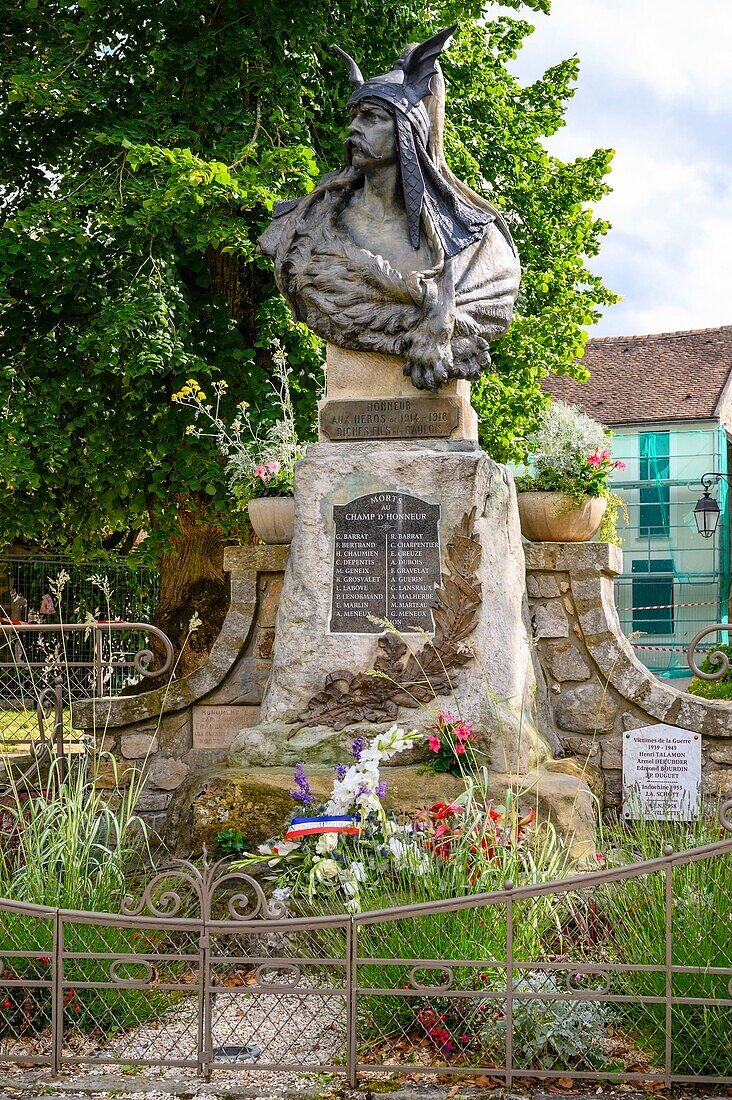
(393, 254)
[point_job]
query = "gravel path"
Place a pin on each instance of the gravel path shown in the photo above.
(278, 1029)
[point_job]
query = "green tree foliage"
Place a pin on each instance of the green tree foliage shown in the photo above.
(142, 146)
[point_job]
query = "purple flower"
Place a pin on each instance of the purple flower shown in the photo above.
(381, 788)
(302, 792)
(362, 790)
(357, 748)
(340, 771)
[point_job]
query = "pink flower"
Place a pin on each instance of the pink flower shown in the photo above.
(595, 460)
(619, 465)
(464, 731)
(460, 748)
(273, 467)
(262, 472)
(434, 744)
(444, 716)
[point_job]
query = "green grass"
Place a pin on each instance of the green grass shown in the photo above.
(71, 851)
(633, 917)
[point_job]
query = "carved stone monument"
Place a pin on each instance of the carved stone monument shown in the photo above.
(404, 590)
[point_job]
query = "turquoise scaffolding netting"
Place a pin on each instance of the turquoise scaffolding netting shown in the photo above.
(674, 583)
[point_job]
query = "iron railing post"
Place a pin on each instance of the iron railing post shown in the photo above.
(509, 985)
(669, 958)
(351, 974)
(205, 1040)
(57, 994)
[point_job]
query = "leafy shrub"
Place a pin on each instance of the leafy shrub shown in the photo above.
(230, 842)
(549, 1034)
(714, 689)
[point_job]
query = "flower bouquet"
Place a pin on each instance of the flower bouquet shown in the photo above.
(328, 852)
(260, 461)
(565, 495)
(451, 743)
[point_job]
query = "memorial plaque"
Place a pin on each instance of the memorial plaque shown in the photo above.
(216, 727)
(386, 563)
(661, 773)
(390, 418)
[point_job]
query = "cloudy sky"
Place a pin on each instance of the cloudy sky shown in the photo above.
(656, 85)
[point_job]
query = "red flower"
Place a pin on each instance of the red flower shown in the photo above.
(7, 1003)
(434, 744)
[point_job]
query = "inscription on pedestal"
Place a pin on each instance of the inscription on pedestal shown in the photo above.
(386, 563)
(390, 418)
(661, 773)
(216, 727)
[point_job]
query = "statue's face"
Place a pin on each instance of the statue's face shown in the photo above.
(371, 135)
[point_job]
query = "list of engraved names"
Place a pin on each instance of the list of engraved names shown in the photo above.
(386, 563)
(661, 773)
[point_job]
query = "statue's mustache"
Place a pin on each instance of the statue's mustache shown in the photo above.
(362, 145)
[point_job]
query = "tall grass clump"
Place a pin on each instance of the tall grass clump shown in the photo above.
(633, 922)
(66, 848)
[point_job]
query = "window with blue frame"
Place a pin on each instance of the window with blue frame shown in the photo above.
(653, 596)
(654, 514)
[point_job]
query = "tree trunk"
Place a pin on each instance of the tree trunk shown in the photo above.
(192, 583)
(192, 571)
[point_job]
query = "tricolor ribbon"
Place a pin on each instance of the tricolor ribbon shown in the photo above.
(313, 826)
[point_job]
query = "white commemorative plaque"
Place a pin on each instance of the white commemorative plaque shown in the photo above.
(661, 773)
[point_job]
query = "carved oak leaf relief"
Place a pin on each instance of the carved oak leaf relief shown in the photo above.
(401, 678)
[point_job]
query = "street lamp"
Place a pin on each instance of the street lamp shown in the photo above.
(706, 509)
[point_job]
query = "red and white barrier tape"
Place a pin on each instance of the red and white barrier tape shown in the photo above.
(658, 606)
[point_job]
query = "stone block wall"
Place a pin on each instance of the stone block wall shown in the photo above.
(597, 687)
(174, 734)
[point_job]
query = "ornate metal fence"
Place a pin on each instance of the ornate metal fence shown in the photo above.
(624, 975)
(46, 666)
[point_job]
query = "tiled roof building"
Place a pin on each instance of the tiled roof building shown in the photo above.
(668, 376)
(668, 399)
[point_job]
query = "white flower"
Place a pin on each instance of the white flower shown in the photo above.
(281, 893)
(284, 847)
(358, 871)
(352, 905)
(328, 842)
(397, 848)
(325, 870)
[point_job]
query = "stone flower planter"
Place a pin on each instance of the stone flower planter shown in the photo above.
(273, 518)
(556, 517)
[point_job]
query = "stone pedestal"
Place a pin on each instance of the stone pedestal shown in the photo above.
(385, 491)
(368, 396)
(493, 687)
